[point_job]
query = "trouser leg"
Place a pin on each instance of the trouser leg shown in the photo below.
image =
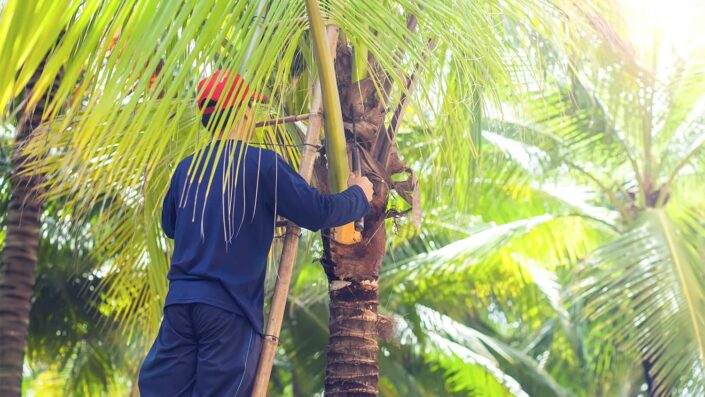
(170, 366)
(228, 352)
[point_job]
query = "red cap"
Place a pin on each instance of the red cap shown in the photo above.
(211, 89)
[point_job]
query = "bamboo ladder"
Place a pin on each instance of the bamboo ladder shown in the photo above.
(291, 239)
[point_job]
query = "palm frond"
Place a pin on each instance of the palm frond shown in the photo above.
(650, 275)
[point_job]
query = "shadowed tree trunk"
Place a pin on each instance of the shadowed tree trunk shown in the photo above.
(353, 270)
(17, 271)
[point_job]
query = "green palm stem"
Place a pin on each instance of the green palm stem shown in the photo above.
(686, 275)
(336, 150)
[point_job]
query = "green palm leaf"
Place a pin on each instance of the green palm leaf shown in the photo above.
(651, 275)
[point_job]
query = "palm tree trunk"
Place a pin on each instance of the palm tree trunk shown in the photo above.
(352, 368)
(352, 351)
(353, 270)
(17, 272)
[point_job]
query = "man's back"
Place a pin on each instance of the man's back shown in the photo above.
(222, 233)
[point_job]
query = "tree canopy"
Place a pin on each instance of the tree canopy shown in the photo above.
(558, 147)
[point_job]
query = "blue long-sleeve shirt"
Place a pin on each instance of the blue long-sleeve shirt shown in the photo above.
(222, 239)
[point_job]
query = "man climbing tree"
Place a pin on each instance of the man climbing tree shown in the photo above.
(211, 333)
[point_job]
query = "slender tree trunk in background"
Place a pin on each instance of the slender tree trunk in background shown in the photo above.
(17, 271)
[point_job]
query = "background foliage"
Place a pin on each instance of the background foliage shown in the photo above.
(558, 147)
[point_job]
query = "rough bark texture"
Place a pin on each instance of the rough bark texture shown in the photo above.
(17, 271)
(353, 270)
(352, 354)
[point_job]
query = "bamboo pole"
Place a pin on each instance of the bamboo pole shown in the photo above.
(286, 119)
(291, 239)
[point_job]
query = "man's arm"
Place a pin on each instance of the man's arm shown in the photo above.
(295, 200)
(169, 210)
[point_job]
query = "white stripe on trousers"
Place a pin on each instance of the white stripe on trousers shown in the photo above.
(244, 371)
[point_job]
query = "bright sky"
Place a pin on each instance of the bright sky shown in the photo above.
(678, 24)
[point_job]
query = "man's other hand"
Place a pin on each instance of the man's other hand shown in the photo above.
(364, 183)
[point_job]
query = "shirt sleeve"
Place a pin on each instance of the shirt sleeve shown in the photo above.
(169, 210)
(293, 198)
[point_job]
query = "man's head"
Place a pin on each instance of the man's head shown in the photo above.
(223, 95)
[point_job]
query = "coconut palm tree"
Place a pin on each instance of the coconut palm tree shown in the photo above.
(632, 138)
(127, 95)
(73, 348)
(20, 250)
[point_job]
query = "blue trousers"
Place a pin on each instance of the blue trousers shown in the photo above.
(201, 350)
